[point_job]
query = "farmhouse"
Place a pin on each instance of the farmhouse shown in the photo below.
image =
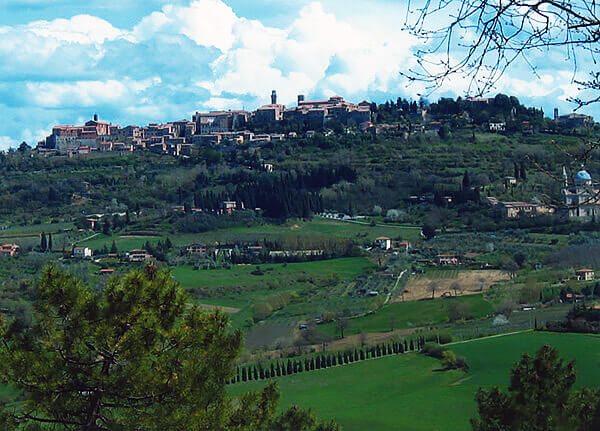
(585, 274)
(82, 252)
(9, 249)
(447, 259)
(138, 256)
(198, 249)
(229, 207)
(383, 242)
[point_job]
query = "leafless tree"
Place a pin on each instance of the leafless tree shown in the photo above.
(483, 38)
(433, 287)
(507, 308)
(341, 324)
(456, 287)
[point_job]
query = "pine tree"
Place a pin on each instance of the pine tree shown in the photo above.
(466, 182)
(43, 243)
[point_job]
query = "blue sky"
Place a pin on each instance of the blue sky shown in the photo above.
(134, 61)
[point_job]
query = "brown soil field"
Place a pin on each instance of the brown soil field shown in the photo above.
(471, 282)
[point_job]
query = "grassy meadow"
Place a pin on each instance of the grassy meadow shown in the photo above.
(406, 392)
(412, 315)
(317, 227)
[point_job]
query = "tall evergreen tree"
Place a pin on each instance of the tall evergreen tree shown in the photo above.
(43, 242)
(50, 242)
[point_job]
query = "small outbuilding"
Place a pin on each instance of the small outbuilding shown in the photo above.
(585, 274)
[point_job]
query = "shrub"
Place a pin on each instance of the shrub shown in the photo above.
(434, 350)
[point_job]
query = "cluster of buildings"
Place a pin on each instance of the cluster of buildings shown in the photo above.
(581, 201)
(179, 138)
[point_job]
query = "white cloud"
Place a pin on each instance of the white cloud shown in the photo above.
(206, 22)
(7, 142)
(86, 93)
(317, 52)
(83, 29)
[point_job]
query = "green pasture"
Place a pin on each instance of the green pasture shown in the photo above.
(316, 228)
(282, 276)
(403, 315)
(406, 392)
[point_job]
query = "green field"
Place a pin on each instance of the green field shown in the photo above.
(315, 228)
(286, 276)
(412, 314)
(405, 393)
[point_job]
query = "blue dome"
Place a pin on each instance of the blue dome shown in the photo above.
(583, 175)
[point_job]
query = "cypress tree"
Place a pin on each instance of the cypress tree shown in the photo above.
(340, 359)
(389, 350)
(278, 369)
(289, 367)
(244, 378)
(261, 372)
(362, 355)
(355, 355)
(255, 374)
(328, 360)
(267, 374)
(113, 248)
(49, 242)
(318, 362)
(334, 361)
(272, 370)
(43, 243)
(300, 367)
(405, 345)
(412, 346)
(295, 367)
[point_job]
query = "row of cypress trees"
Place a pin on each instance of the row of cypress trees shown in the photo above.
(324, 360)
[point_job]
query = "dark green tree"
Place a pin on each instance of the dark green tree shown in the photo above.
(43, 242)
(113, 248)
(466, 181)
(538, 398)
(49, 242)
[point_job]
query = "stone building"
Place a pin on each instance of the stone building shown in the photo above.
(581, 197)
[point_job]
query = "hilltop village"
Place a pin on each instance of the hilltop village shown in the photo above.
(276, 122)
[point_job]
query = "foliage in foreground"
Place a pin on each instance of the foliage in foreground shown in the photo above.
(133, 357)
(539, 398)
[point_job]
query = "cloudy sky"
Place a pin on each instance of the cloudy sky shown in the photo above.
(139, 61)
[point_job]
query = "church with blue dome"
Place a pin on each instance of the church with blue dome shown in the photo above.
(581, 197)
